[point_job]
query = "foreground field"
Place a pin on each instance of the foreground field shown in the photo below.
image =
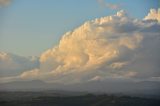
(55, 99)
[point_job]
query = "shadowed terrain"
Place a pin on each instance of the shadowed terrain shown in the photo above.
(49, 98)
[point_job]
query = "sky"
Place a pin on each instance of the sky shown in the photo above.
(30, 27)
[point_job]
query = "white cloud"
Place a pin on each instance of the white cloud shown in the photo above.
(96, 78)
(153, 15)
(115, 46)
(118, 65)
(32, 74)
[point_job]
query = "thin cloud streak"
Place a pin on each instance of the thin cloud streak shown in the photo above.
(4, 3)
(108, 5)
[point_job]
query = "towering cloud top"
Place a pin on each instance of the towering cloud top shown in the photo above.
(94, 43)
(115, 46)
(154, 15)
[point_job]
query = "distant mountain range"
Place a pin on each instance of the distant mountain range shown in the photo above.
(148, 88)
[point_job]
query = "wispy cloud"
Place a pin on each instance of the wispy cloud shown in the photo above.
(108, 5)
(11, 64)
(4, 3)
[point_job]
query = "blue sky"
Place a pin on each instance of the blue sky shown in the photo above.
(29, 27)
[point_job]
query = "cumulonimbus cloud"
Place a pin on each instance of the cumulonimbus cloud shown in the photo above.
(116, 46)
